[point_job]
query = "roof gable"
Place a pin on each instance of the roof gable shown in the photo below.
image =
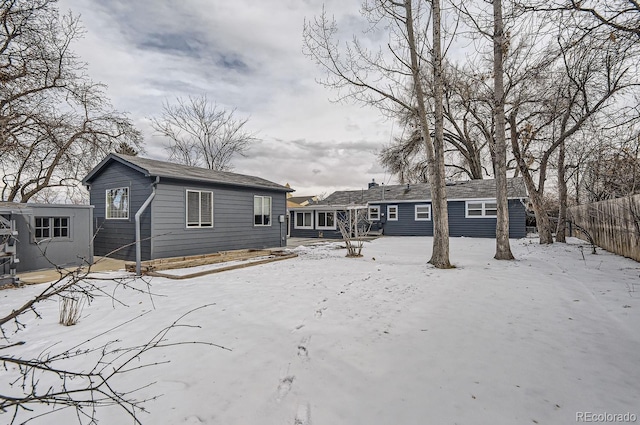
(162, 169)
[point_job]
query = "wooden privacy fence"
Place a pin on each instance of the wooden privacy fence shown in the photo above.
(614, 224)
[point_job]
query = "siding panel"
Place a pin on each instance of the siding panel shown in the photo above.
(232, 222)
(76, 250)
(119, 235)
(459, 225)
(406, 224)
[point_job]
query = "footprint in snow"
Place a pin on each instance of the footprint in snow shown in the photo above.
(303, 351)
(284, 387)
(303, 415)
(297, 328)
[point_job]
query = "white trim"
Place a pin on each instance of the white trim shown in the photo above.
(389, 207)
(50, 228)
(373, 207)
(106, 203)
(295, 220)
(186, 209)
(483, 208)
(326, 227)
(415, 212)
(262, 207)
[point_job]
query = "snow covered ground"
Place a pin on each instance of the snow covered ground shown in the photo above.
(381, 340)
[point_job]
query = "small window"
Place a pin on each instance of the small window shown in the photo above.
(60, 227)
(42, 228)
(117, 204)
(303, 220)
(423, 212)
(51, 227)
(262, 210)
(476, 209)
(326, 220)
(392, 213)
(199, 208)
(374, 213)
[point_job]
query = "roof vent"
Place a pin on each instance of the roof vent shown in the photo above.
(373, 183)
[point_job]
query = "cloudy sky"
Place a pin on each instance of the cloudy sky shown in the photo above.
(243, 54)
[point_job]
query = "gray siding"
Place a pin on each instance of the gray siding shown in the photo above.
(407, 225)
(233, 226)
(485, 227)
(119, 235)
(312, 233)
(517, 219)
(74, 250)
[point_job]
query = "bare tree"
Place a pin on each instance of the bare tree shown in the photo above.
(590, 74)
(55, 123)
(622, 17)
(613, 171)
(126, 149)
(503, 249)
(468, 132)
(354, 228)
(81, 377)
(496, 133)
(381, 79)
(203, 134)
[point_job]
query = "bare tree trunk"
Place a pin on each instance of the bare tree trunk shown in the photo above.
(535, 196)
(562, 196)
(440, 255)
(503, 249)
(435, 153)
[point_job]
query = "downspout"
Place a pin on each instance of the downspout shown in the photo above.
(138, 215)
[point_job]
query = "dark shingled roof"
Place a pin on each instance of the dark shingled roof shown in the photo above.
(162, 169)
(471, 189)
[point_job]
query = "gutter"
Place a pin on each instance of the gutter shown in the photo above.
(138, 215)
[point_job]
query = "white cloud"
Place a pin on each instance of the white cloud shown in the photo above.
(246, 55)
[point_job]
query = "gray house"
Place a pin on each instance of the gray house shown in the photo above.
(161, 210)
(405, 210)
(39, 236)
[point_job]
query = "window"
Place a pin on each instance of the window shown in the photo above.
(423, 212)
(476, 209)
(262, 210)
(117, 203)
(60, 227)
(51, 227)
(42, 228)
(326, 220)
(199, 208)
(303, 220)
(374, 213)
(392, 213)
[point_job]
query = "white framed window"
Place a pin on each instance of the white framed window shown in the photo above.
(60, 227)
(326, 220)
(480, 209)
(117, 203)
(42, 228)
(199, 208)
(303, 220)
(392, 213)
(51, 227)
(262, 210)
(374, 213)
(423, 212)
